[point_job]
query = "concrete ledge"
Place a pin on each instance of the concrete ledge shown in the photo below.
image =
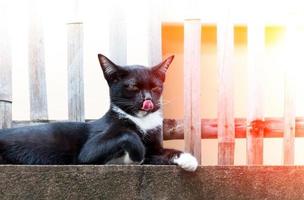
(150, 182)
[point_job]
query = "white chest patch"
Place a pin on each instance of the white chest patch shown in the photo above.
(145, 123)
(123, 160)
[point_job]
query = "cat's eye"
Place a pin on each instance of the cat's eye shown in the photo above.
(156, 89)
(133, 88)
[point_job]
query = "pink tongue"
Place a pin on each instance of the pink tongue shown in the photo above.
(147, 105)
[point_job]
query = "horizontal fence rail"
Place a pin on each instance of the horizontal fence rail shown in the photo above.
(272, 127)
(174, 128)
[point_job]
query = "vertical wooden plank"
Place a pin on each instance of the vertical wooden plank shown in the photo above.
(192, 64)
(255, 130)
(75, 71)
(5, 69)
(225, 114)
(38, 93)
(154, 37)
(75, 67)
(289, 121)
(154, 33)
(118, 34)
(290, 62)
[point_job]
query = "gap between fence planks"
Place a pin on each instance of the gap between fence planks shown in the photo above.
(225, 96)
(255, 116)
(5, 70)
(192, 64)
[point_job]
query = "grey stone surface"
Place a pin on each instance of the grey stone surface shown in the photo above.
(151, 182)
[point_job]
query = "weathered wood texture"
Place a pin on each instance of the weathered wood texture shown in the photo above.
(118, 34)
(225, 97)
(5, 114)
(192, 65)
(5, 70)
(154, 34)
(37, 79)
(75, 72)
(255, 133)
(151, 182)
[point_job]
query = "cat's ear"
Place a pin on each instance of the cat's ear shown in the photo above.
(110, 70)
(161, 69)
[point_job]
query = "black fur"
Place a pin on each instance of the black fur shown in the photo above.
(102, 140)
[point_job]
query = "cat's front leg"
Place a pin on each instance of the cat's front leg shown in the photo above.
(125, 148)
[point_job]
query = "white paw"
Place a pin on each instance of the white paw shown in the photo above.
(186, 161)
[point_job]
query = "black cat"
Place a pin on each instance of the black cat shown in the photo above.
(128, 133)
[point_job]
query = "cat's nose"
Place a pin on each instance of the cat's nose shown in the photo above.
(147, 96)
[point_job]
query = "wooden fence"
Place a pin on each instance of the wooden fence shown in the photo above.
(192, 128)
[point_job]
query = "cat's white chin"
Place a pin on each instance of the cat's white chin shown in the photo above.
(186, 161)
(150, 121)
(141, 113)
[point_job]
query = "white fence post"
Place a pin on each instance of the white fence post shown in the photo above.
(154, 37)
(118, 34)
(5, 70)
(255, 116)
(291, 59)
(226, 131)
(192, 65)
(154, 33)
(75, 67)
(38, 93)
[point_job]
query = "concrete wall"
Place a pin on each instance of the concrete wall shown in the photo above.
(150, 182)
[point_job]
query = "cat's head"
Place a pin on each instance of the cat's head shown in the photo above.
(135, 89)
